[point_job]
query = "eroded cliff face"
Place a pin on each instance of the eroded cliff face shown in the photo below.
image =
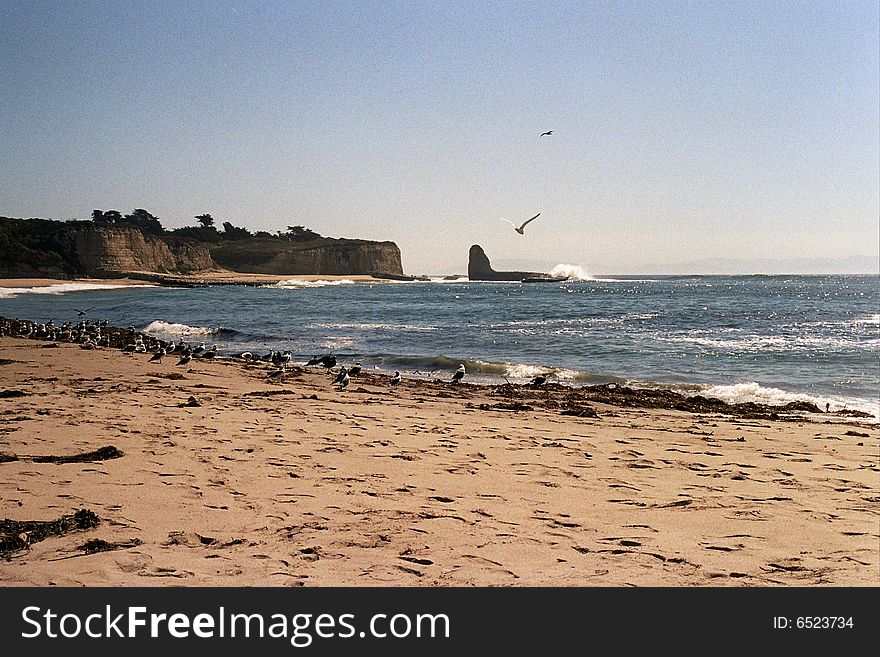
(325, 257)
(44, 247)
(105, 251)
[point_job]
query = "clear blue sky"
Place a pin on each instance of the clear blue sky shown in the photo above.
(682, 130)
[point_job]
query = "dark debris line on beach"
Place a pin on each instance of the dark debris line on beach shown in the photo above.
(102, 454)
(570, 401)
(18, 535)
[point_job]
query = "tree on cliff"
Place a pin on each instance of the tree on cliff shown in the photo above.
(99, 218)
(142, 219)
(139, 218)
(231, 232)
(206, 220)
(299, 234)
(106, 218)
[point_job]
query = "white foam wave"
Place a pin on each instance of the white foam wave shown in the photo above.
(61, 288)
(574, 272)
(299, 283)
(874, 320)
(739, 393)
(167, 328)
(524, 371)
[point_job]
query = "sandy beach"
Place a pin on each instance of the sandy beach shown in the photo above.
(225, 478)
(46, 282)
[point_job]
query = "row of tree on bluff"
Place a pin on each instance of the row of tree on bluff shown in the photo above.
(206, 231)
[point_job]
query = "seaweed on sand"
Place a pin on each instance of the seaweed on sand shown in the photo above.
(17, 535)
(102, 454)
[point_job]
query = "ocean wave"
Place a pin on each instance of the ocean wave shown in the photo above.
(61, 288)
(487, 370)
(739, 393)
(159, 327)
(574, 272)
(296, 283)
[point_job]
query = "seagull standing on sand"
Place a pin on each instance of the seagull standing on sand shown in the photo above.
(343, 382)
(187, 356)
(519, 229)
(157, 357)
(355, 369)
(343, 373)
(394, 379)
(459, 374)
(539, 380)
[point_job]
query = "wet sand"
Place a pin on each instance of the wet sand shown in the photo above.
(220, 477)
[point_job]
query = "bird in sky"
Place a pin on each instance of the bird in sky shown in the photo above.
(519, 229)
(547, 134)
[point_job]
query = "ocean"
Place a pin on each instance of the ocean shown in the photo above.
(769, 339)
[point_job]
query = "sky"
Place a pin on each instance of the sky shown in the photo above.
(683, 131)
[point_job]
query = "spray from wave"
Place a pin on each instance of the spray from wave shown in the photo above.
(299, 282)
(574, 272)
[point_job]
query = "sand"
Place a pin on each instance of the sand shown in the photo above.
(296, 483)
(45, 282)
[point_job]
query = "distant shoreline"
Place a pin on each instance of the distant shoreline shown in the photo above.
(172, 280)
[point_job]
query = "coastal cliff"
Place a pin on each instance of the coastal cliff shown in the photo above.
(44, 247)
(326, 257)
(105, 251)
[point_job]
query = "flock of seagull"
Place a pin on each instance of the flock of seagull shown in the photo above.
(98, 334)
(90, 334)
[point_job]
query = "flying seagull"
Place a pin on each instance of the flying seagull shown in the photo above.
(547, 134)
(82, 313)
(520, 228)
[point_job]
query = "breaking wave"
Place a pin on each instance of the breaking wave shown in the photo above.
(60, 288)
(296, 283)
(182, 330)
(739, 393)
(574, 272)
